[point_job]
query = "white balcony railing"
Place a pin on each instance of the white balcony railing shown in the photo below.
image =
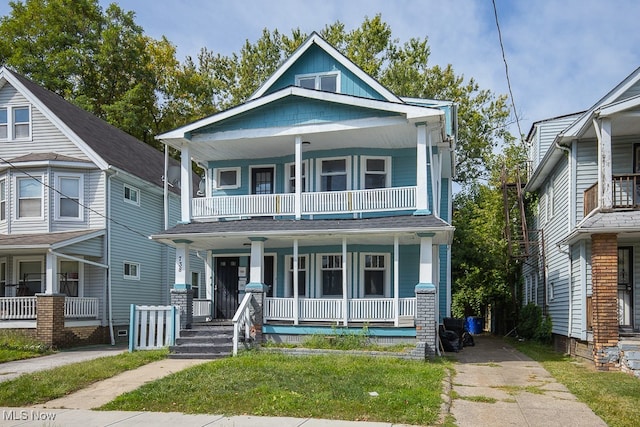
(325, 202)
(81, 308)
(331, 309)
(24, 308)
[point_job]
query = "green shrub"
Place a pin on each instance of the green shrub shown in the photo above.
(530, 320)
(339, 339)
(543, 333)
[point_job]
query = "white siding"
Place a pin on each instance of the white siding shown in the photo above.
(546, 133)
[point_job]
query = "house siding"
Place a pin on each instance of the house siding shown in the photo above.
(315, 60)
(545, 135)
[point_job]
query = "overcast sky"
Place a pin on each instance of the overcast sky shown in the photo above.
(563, 55)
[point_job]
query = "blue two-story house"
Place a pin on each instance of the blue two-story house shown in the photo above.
(325, 188)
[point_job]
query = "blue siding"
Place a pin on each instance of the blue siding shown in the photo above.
(316, 60)
(293, 111)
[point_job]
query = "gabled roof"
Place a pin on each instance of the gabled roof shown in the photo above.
(315, 39)
(106, 145)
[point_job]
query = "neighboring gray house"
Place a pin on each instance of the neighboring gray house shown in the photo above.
(586, 270)
(78, 198)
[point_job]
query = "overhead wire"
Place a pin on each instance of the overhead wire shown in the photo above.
(506, 70)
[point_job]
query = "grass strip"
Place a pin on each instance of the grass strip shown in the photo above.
(17, 346)
(322, 386)
(613, 396)
(42, 386)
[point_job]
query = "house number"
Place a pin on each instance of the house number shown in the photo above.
(179, 263)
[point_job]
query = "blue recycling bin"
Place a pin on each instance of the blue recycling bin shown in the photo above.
(474, 325)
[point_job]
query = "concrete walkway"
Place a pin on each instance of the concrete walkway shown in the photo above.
(499, 386)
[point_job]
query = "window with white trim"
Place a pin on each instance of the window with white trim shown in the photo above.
(376, 172)
(302, 276)
(328, 82)
(29, 195)
(3, 278)
(334, 174)
(227, 178)
(195, 284)
(69, 197)
(131, 195)
(15, 123)
(131, 270)
(3, 199)
(331, 275)
(374, 275)
(291, 177)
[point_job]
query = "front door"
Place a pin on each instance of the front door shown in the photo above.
(625, 281)
(262, 181)
(226, 287)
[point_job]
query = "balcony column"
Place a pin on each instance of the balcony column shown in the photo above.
(298, 178)
(605, 178)
(422, 189)
(185, 184)
(51, 282)
(256, 270)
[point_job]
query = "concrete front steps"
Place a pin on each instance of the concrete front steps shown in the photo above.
(630, 355)
(209, 340)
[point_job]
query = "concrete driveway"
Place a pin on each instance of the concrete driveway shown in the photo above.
(496, 385)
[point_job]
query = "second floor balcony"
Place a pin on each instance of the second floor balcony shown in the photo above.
(312, 203)
(626, 193)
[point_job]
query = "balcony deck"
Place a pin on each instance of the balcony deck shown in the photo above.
(324, 202)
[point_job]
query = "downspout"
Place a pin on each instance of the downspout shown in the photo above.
(109, 289)
(570, 215)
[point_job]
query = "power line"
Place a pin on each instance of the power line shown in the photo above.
(506, 69)
(36, 178)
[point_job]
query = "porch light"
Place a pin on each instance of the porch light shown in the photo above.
(306, 143)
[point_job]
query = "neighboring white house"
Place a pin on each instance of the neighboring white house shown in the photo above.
(586, 174)
(78, 200)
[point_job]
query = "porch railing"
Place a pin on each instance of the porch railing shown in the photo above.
(331, 309)
(626, 193)
(324, 202)
(81, 307)
(25, 308)
(242, 323)
(17, 308)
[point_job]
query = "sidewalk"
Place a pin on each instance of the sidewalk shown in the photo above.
(494, 382)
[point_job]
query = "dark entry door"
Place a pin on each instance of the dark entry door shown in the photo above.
(262, 181)
(226, 287)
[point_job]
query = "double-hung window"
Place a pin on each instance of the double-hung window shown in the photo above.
(3, 199)
(374, 275)
(15, 123)
(302, 276)
(376, 172)
(291, 177)
(69, 197)
(331, 270)
(334, 174)
(29, 197)
(131, 195)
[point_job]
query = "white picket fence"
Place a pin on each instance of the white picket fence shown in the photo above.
(153, 327)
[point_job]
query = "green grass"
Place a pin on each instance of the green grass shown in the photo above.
(324, 386)
(42, 386)
(614, 396)
(17, 346)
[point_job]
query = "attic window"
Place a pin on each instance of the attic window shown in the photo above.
(328, 82)
(15, 123)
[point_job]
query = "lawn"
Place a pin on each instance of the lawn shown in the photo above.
(42, 386)
(614, 396)
(18, 346)
(324, 386)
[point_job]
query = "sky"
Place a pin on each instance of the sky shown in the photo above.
(562, 55)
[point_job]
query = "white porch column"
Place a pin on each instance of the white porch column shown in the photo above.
(296, 296)
(345, 299)
(185, 184)
(605, 184)
(396, 281)
(298, 178)
(426, 259)
(182, 275)
(256, 270)
(51, 280)
(422, 189)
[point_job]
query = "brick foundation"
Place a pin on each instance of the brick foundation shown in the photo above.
(604, 275)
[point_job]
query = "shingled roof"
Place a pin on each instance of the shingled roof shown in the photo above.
(114, 146)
